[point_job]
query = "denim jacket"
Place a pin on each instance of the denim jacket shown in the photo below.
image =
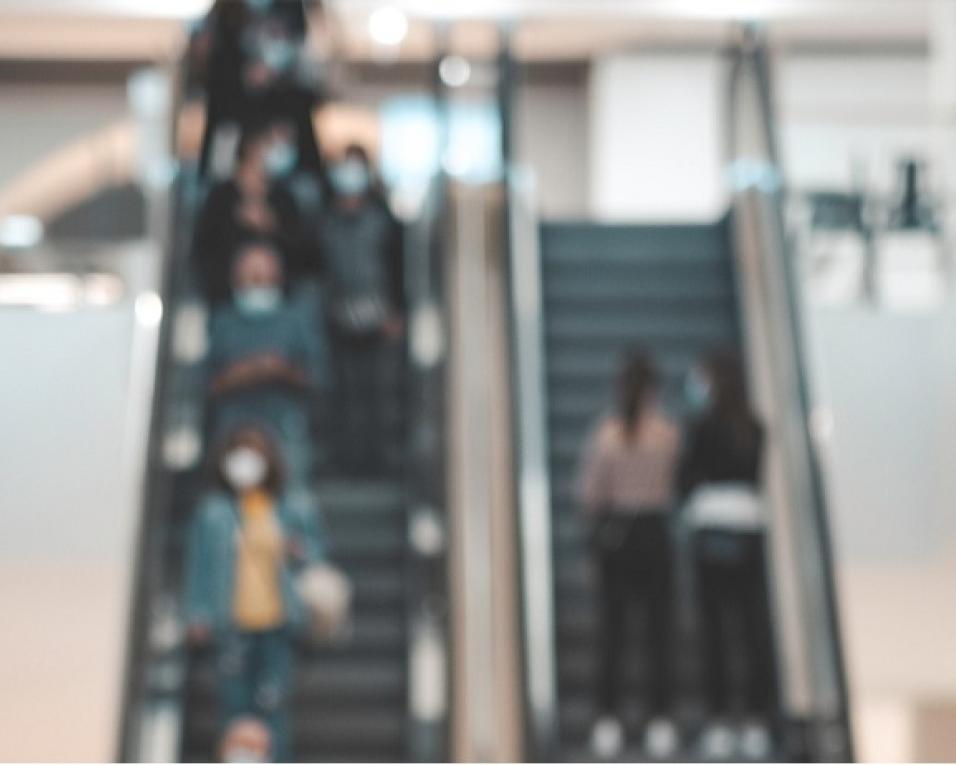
(211, 557)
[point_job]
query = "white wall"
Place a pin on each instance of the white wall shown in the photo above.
(656, 132)
(551, 135)
(888, 381)
(837, 111)
(74, 400)
(887, 378)
(656, 137)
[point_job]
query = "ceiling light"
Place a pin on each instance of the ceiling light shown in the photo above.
(454, 71)
(48, 291)
(388, 26)
(729, 9)
(59, 291)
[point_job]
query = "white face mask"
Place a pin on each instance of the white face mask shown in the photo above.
(258, 301)
(350, 178)
(244, 468)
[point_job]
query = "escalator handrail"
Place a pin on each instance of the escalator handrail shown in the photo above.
(532, 467)
(753, 46)
(155, 490)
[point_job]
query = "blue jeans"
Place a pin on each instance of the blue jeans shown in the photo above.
(253, 670)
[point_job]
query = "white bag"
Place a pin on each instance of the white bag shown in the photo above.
(326, 594)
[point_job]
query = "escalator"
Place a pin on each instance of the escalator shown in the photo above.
(352, 700)
(582, 294)
(670, 290)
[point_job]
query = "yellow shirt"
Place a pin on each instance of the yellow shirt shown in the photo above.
(257, 601)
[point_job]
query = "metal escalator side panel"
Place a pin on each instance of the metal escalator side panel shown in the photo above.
(532, 474)
(149, 724)
(808, 624)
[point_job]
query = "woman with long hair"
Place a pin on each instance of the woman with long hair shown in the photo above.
(246, 542)
(626, 491)
(719, 479)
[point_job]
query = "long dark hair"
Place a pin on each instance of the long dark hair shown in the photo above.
(730, 398)
(257, 437)
(638, 377)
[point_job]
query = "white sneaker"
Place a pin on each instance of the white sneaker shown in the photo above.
(755, 743)
(718, 742)
(607, 739)
(660, 739)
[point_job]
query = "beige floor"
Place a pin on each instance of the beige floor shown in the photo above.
(60, 672)
(900, 635)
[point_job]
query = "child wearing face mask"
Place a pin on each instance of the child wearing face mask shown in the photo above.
(718, 480)
(266, 359)
(361, 246)
(246, 543)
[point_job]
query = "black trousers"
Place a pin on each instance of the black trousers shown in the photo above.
(363, 390)
(735, 622)
(635, 562)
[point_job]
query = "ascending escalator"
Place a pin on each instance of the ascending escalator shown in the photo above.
(668, 289)
(583, 294)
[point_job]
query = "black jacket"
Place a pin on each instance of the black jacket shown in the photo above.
(720, 450)
(219, 234)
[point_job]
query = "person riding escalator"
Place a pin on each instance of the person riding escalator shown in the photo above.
(250, 53)
(255, 203)
(626, 489)
(266, 359)
(363, 274)
(247, 542)
(718, 478)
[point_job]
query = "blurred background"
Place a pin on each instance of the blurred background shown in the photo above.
(568, 178)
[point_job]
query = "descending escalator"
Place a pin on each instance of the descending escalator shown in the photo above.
(351, 699)
(668, 289)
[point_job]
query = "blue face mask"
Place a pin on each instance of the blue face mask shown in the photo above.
(258, 301)
(280, 159)
(350, 178)
(277, 54)
(697, 391)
